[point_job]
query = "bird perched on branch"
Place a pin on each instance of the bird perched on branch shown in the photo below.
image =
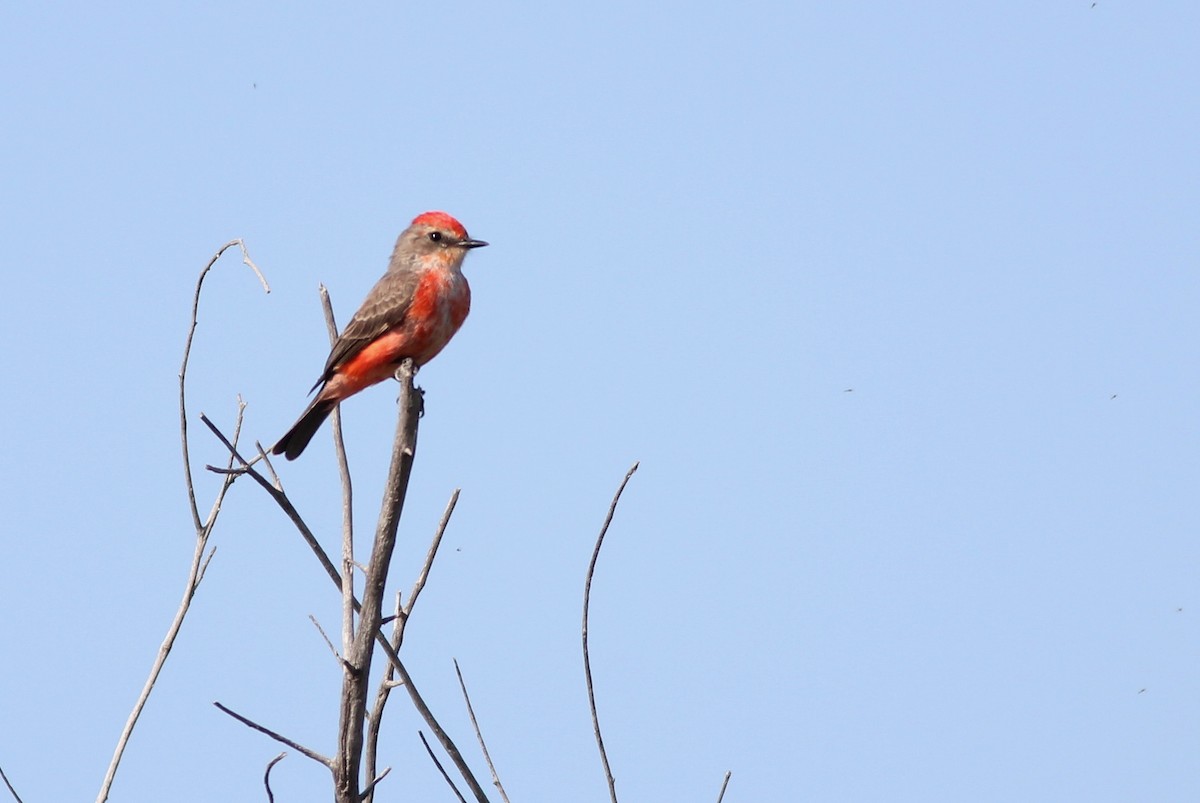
(411, 312)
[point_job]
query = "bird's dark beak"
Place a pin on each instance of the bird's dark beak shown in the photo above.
(472, 244)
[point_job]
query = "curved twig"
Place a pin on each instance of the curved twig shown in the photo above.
(587, 663)
(267, 775)
(187, 353)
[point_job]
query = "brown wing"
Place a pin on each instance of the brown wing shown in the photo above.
(384, 307)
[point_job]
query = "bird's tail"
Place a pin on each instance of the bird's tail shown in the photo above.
(293, 443)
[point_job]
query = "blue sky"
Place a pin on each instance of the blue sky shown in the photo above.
(896, 305)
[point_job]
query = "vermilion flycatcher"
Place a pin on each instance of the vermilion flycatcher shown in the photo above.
(412, 311)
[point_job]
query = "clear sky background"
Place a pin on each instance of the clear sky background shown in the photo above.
(895, 303)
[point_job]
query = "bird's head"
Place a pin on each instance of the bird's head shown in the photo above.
(437, 233)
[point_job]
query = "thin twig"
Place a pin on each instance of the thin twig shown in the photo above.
(267, 776)
(375, 720)
(587, 663)
(721, 796)
(313, 754)
(441, 769)
(264, 456)
(203, 529)
(226, 484)
(187, 353)
(328, 643)
(204, 566)
(399, 623)
(423, 709)
(11, 791)
(475, 724)
(339, 448)
(284, 503)
(419, 585)
(369, 789)
(196, 571)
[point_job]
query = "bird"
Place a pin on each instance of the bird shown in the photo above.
(411, 312)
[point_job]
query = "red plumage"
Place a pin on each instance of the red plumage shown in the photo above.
(411, 312)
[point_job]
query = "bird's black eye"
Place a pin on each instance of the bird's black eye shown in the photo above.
(436, 236)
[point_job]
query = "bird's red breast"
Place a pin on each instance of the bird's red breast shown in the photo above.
(440, 303)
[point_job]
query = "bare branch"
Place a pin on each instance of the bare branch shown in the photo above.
(587, 663)
(441, 769)
(265, 456)
(328, 643)
(267, 776)
(250, 262)
(200, 562)
(196, 571)
(419, 585)
(375, 721)
(412, 402)
(475, 724)
(419, 703)
(229, 480)
(361, 650)
(339, 448)
(11, 791)
(204, 566)
(721, 796)
(282, 500)
(399, 623)
(187, 352)
(313, 754)
(369, 789)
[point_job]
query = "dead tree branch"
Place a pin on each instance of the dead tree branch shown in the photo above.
(187, 353)
(339, 448)
(403, 451)
(419, 703)
(419, 585)
(399, 623)
(369, 789)
(441, 769)
(203, 528)
(281, 499)
(11, 791)
(725, 784)
(313, 754)
(375, 719)
(267, 775)
(587, 664)
(361, 651)
(479, 734)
